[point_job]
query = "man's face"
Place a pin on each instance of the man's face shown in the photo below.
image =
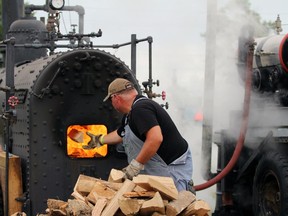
(116, 102)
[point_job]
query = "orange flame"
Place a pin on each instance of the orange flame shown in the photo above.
(77, 138)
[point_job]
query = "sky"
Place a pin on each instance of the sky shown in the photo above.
(178, 54)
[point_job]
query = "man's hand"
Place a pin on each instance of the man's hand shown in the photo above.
(94, 142)
(133, 169)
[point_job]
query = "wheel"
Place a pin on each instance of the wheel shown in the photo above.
(270, 186)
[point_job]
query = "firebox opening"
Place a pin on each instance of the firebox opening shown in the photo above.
(80, 141)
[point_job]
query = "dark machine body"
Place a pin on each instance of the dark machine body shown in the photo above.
(258, 183)
(54, 92)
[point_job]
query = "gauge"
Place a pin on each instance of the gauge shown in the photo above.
(56, 4)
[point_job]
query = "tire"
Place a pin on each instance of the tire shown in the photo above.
(270, 186)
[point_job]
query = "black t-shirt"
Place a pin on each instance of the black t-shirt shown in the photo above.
(144, 115)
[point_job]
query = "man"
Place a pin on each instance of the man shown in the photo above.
(151, 140)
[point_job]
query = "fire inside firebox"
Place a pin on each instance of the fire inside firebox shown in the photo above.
(81, 141)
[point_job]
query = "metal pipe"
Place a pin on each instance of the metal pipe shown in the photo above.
(244, 125)
(150, 40)
(208, 103)
(79, 9)
(133, 53)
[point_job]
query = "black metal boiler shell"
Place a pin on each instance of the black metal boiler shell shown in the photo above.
(63, 90)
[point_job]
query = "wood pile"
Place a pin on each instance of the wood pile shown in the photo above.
(145, 195)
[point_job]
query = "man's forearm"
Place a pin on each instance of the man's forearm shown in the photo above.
(111, 138)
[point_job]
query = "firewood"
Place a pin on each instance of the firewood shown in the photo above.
(134, 194)
(99, 206)
(153, 205)
(57, 212)
(157, 214)
(198, 208)
(165, 185)
(139, 189)
(78, 207)
(102, 191)
(19, 214)
(175, 207)
(77, 136)
(84, 184)
(78, 196)
(116, 176)
(56, 204)
(113, 185)
(129, 206)
(113, 206)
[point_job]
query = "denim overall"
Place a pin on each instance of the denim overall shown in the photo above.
(180, 169)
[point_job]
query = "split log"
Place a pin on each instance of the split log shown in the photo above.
(113, 185)
(129, 206)
(99, 206)
(113, 206)
(84, 184)
(153, 205)
(77, 136)
(157, 214)
(139, 194)
(57, 212)
(19, 214)
(78, 196)
(116, 176)
(175, 207)
(139, 189)
(164, 185)
(78, 207)
(101, 191)
(197, 208)
(54, 204)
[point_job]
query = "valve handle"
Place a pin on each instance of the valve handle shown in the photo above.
(163, 95)
(13, 101)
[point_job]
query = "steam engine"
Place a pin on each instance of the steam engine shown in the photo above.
(55, 94)
(258, 183)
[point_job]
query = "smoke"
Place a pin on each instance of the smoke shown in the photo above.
(185, 93)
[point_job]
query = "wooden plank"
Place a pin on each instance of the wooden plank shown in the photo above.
(175, 207)
(15, 181)
(113, 206)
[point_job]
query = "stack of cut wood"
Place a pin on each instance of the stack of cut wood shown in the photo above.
(145, 195)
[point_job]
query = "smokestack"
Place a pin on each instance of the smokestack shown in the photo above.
(11, 11)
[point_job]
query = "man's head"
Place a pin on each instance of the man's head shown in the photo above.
(117, 86)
